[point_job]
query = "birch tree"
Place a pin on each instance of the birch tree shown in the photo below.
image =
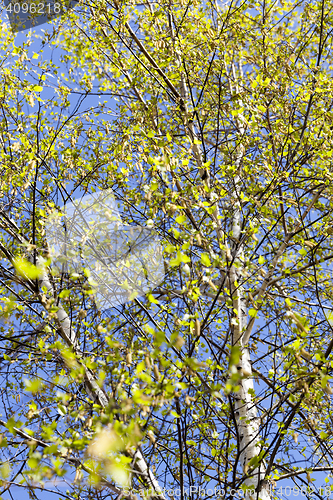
(212, 124)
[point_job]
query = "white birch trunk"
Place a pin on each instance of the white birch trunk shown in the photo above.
(248, 422)
(246, 413)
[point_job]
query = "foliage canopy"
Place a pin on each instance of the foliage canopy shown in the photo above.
(213, 123)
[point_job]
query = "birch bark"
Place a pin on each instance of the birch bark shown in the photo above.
(246, 413)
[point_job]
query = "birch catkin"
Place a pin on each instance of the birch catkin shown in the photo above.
(197, 327)
(156, 372)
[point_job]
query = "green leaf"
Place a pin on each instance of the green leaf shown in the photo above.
(119, 472)
(152, 299)
(170, 248)
(329, 317)
(33, 386)
(234, 355)
(181, 257)
(3, 443)
(191, 443)
(33, 463)
(180, 219)
(87, 272)
(27, 270)
(5, 470)
(11, 424)
(253, 313)
(205, 260)
(154, 186)
(62, 410)
(50, 450)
